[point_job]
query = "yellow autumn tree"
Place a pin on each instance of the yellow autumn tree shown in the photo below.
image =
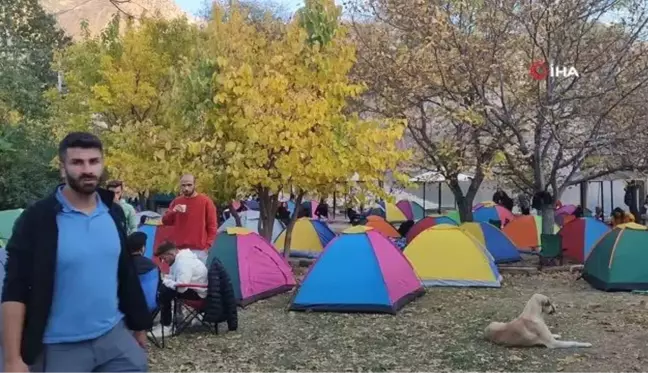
(280, 117)
(128, 86)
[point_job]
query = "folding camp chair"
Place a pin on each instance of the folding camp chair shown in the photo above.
(551, 250)
(150, 282)
(191, 310)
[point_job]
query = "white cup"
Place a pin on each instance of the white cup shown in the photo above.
(183, 208)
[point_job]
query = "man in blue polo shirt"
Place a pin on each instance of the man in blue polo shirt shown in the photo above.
(69, 274)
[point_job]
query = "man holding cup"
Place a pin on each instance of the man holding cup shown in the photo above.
(194, 219)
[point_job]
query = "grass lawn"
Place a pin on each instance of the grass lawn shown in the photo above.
(441, 331)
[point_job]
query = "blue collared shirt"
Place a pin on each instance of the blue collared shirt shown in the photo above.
(85, 304)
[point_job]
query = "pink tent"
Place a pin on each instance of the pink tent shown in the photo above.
(256, 269)
(312, 205)
(562, 212)
(566, 210)
(359, 271)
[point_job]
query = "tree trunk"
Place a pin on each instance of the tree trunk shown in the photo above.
(268, 204)
(235, 214)
(465, 202)
(465, 208)
(548, 218)
(291, 224)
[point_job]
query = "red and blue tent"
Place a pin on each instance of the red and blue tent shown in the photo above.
(580, 235)
(411, 209)
(359, 271)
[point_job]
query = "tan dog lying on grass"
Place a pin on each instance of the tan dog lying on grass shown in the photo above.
(529, 329)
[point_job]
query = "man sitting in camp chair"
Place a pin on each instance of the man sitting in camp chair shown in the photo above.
(185, 268)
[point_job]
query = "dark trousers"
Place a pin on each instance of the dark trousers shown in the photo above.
(167, 295)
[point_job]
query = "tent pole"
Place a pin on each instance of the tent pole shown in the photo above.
(583, 194)
(439, 198)
(424, 211)
(611, 196)
(602, 200)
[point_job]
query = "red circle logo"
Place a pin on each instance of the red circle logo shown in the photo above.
(539, 70)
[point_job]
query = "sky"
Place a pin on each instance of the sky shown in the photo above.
(193, 6)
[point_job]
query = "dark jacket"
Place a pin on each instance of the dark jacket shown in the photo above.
(31, 266)
(143, 265)
(322, 210)
(221, 302)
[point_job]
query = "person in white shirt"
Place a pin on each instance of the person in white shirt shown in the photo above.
(185, 268)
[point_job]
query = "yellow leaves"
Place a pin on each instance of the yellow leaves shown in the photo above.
(193, 148)
(129, 84)
(230, 147)
(243, 105)
(220, 98)
(221, 61)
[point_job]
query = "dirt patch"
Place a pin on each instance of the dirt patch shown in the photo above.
(441, 331)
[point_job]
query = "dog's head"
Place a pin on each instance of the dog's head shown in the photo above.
(545, 303)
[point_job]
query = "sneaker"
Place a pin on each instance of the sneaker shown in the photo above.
(157, 331)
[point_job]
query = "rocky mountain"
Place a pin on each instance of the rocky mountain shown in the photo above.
(70, 13)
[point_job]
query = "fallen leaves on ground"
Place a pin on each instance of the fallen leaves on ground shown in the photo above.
(442, 331)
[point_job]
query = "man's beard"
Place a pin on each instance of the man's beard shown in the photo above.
(79, 185)
(189, 193)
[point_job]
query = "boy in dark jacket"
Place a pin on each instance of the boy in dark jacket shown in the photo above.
(136, 245)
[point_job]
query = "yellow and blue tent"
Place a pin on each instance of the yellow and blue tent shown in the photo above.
(309, 238)
(445, 255)
(390, 212)
(497, 243)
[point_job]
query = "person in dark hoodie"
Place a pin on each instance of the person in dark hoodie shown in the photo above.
(501, 198)
(322, 210)
(136, 245)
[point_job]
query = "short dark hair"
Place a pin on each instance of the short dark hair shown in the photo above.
(83, 140)
(165, 247)
(114, 184)
(136, 241)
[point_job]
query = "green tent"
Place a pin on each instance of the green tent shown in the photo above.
(618, 261)
(7, 220)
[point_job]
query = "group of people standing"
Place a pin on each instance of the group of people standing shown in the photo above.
(618, 215)
(72, 299)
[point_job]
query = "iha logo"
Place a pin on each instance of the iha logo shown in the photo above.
(540, 70)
